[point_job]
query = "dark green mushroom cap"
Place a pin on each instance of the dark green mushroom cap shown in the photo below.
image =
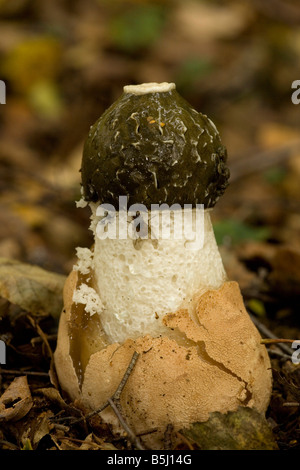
(154, 148)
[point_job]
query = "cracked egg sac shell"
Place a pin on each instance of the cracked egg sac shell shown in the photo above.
(154, 148)
(211, 361)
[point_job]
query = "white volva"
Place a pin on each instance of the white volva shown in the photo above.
(140, 281)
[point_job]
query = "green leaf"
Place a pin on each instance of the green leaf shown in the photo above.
(244, 429)
(46, 99)
(256, 306)
(30, 287)
(235, 231)
(137, 28)
(191, 70)
(275, 175)
(27, 445)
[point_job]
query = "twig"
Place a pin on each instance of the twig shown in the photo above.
(278, 353)
(41, 334)
(146, 433)
(277, 340)
(114, 402)
(10, 445)
(168, 437)
(79, 441)
(132, 437)
(38, 339)
(186, 441)
(119, 390)
(266, 332)
(88, 416)
(117, 393)
(23, 372)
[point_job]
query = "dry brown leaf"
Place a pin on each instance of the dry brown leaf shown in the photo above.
(89, 443)
(271, 135)
(53, 395)
(31, 287)
(208, 22)
(16, 401)
(39, 427)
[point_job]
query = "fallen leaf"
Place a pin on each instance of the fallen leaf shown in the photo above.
(55, 397)
(89, 443)
(16, 401)
(138, 28)
(234, 231)
(206, 22)
(26, 445)
(272, 135)
(30, 287)
(43, 426)
(256, 306)
(244, 429)
(31, 61)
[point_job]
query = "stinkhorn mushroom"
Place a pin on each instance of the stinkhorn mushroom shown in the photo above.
(165, 297)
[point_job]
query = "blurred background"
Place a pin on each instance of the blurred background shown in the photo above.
(64, 62)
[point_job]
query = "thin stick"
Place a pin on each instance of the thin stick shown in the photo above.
(278, 340)
(168, 437)
(114, 403)
(185, 441)
(123, 382)
(88, 416)
(278, 353)
(21, 372)
(9, 444)
(132, 437)
(116, 395)
(42, 335)
(266, 332)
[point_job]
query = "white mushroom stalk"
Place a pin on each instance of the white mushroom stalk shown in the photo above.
(139, 280)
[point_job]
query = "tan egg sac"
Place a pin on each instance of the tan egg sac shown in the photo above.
(212, 360)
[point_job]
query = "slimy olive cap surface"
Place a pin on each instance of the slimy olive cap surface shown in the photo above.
(154, 148)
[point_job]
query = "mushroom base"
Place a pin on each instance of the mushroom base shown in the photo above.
(213, 361)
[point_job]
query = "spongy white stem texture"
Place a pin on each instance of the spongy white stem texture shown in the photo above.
(139, 281)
